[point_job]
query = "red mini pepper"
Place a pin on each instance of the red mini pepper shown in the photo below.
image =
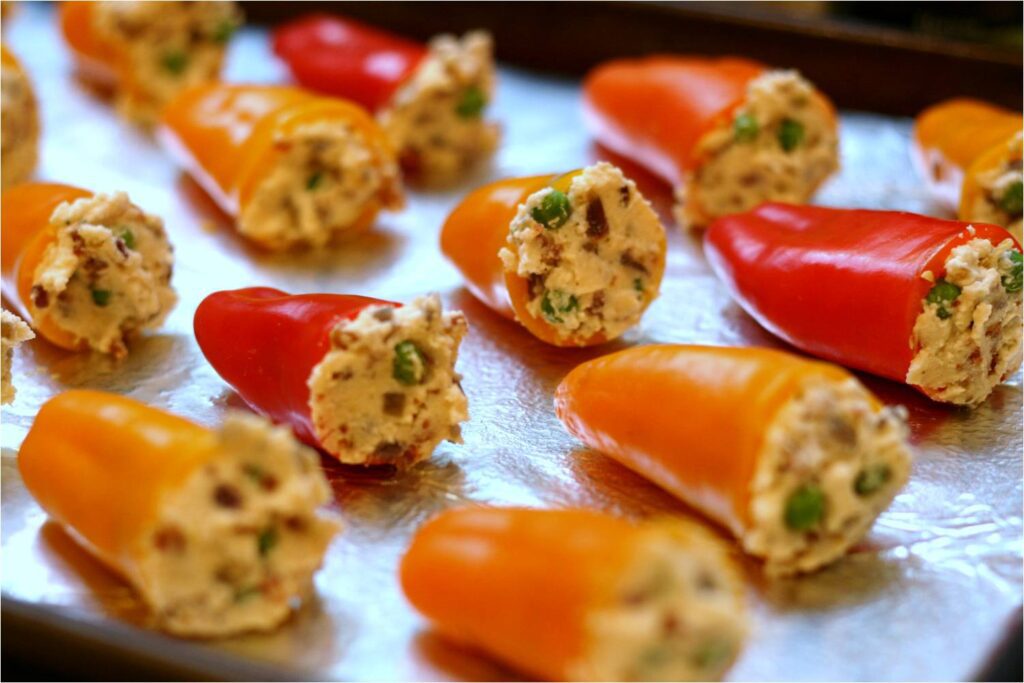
(342, 57)
(843, 284)
(265, 343)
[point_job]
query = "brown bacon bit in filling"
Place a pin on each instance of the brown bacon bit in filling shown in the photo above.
(227, 496)
(597, 221)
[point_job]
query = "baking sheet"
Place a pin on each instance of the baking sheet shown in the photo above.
(928, 595)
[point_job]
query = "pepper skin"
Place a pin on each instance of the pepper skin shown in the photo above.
(846, 285)
(345, 58)
(112, 471)
(27, 232)
(478, 229)
(525, 585)
(281, 353)
(20, 122)
(229, 138)
(950, 136)
(661, 111)
(698, 422)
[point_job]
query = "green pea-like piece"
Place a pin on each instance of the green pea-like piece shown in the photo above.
(556, 301)
(870, 479)
(791, 134)
(100, 297)
(553, 211)
(128, 237)
(266, 541)
(409, 366)
(745, 128)
(1012, 201)
(175, 62)
(805, 508)
(314, 180)
(942, 293)
(1014, 281)
(471, 104)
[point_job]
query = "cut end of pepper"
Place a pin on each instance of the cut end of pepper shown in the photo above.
(805, 508)
(553, 211)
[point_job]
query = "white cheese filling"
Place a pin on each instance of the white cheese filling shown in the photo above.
(999, 201)
(830, 464)
(780, 145)
(107, 276)
(596, 272)
(169, 46)
(327, 183)
(968, 345)
(13, 331)
(387, 392)
(678, 616)
(238, 543)
(436, 118)
(19, 126)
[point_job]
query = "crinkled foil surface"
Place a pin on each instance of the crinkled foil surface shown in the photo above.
(928, 595)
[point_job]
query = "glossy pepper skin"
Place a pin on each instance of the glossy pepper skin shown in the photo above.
(224, 135)
(100, 463)
(951, 136)
(26, 234)
(265, 343)
(345, 58)
(690, 418)
(97, 58)
(843, 284)
(474, 233)
(18, 167)
(518, 582)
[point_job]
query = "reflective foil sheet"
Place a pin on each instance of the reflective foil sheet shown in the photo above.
(928, 595)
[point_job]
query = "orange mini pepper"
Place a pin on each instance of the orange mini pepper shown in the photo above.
(20, 122)
(951, 136)
(674, 114)
(139, 488)
(719, 427)
(483, 225)
(551, 592)
(232, 138)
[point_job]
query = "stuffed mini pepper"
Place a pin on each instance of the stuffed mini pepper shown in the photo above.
(933, 303)
(795, 457)
(579, 595)
(431, 99)
(147, 52)
(728, 134)
(293, 169)
(371, 382)
(217, 530)
(87, 271)
(576, 259)
(969, 152)
(19, 121)
(13, 331)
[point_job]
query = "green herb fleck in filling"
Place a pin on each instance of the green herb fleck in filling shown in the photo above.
(556, 301)
(314, 180)
(941, 294)
(174, 62)
(224, 31)
(553, 211)
(791, 134)
(266, 541)
(805, 508)
(472, 103)
(100, 297)
(409, 366)
(1012, 281)
(871, 479)
(1012, 201)
(128, 237)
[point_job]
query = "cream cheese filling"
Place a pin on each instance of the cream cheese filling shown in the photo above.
(236, 546)
(436, 118)
(968, 345)
(13, 331)
(678, 615)
(19, 126)
(327, 183)
(107, 276)
(779, 146)
(830, 464)
(387, 392)
(596, 271)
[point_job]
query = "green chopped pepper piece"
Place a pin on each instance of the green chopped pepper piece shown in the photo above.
(805, 508)
(409, 366)
(638, 285)
(128, 237)
(243, 594)
(266, 541)
(556, 301)
(472, 103)
(100, 297)
(791, 134)
(942, 293)
(175, 62)
(745, 128)
(1012, 201)
(553, 211)
(1013, 281)
(314, 180)
(224, 31)
(712, 654)
(871, 479)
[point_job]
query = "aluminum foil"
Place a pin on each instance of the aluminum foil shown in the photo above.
(926, 596)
